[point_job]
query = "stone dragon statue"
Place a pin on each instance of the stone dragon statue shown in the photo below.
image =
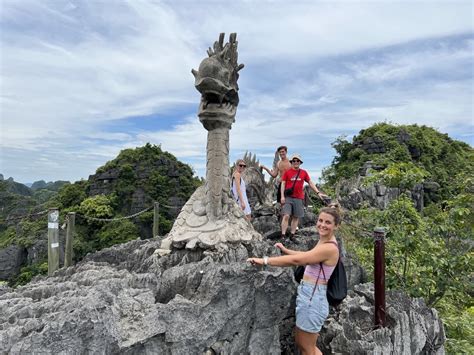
(211, 217)
(216, 80)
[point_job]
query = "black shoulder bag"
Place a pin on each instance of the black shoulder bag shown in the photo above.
(289, 192)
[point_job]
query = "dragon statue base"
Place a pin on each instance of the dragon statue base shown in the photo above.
(193, 228)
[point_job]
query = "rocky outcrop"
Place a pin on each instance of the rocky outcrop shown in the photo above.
(107, 180)
(412, 327)
(130, 300)
(140, 302)
(353, 194)
(12, 258)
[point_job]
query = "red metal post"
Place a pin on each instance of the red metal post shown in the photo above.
(379, 277)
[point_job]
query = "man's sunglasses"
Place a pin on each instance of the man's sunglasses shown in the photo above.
(296, 161)
(242, 165)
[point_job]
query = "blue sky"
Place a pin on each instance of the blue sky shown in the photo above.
(81, 80)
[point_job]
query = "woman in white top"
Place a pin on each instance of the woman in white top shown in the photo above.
(238, 188)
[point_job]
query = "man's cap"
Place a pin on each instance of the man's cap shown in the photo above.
(297, 156)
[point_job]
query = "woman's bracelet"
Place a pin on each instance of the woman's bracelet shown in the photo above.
(265, 260)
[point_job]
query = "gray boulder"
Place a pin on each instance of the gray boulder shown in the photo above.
(12, 258)
(412, 327)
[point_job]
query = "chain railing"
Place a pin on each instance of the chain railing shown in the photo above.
(27, 216)
(96, 219)
(69, 223)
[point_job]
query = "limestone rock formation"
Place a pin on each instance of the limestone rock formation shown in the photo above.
(352, 194)
(11, 259)
(412, 327)
(133, 301)
(130, 300)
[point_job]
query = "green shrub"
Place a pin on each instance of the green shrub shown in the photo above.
(28, 272)
(7, 237)
(117, 232)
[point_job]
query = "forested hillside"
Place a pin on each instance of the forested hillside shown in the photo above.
(125, 185)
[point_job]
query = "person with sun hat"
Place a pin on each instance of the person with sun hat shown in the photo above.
(292, 195)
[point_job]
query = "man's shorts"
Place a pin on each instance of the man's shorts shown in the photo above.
(293, 207)
(311, 312)
(279, 192)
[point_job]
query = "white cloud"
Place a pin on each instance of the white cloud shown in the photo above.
(71, 69)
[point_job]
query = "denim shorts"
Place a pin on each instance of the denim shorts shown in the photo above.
(310, 315)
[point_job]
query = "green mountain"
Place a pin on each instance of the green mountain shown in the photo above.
(127, 185)
(51, 185)
(13, 187)
(440, 157)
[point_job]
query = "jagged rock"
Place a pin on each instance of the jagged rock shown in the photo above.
(412, 327)
(352, 194)
(11, 260)
(130, 300)
(267, 225)
(196, 303)
(4, 289)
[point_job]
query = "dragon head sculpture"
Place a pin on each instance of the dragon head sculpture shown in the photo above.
(216, 80)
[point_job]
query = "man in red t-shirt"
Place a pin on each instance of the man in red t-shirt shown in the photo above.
(293, 203)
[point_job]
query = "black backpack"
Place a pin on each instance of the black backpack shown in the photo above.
(337, 284)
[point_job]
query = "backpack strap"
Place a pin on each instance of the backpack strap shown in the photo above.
(321, 263)
(321, 269)
(296, 178)
(316, 284)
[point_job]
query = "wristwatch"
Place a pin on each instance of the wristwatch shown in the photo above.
(265, 260)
